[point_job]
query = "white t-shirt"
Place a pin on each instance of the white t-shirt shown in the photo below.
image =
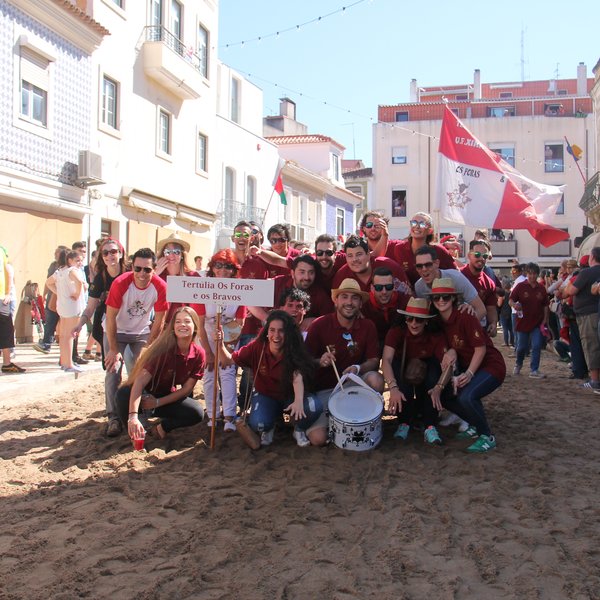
(462, 285)
(65, 286)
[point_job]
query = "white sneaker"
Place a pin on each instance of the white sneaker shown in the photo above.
(73, 369)
(536, 375)
(450, 419)
(266, 437)
(463, 425)
(301, 438)
(517, 370)
(229, 426)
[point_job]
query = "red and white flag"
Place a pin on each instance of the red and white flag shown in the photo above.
(476, 187)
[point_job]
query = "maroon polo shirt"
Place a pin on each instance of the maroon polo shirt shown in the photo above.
(170, 370)
(427, 345)
(320, 302)
(268, 371)
(381, 261)
(484, 285)
(384, 316)
(464, 333)
(405, 257)
(352, 346)
(533, 299)
(274, 271)
(253, 268)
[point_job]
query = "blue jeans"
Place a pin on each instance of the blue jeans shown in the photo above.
(513, 318)
(507, 330)
(49, 327)
(467, 405)
(265, 411)
(579, 367)
(536, 338)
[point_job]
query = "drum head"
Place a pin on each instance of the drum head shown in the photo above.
(355, 405)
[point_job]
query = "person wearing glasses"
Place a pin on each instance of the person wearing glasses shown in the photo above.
(427, 264)
(374, 227)
(479, 253)
(111, 263)
(347, 339)
(279, 238)
(384, 302)
(223, 264)
(360, 266)
(480, 365)
(131, 301)
(421, 234)
(172, 260)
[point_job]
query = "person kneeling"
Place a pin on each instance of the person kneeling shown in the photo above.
(174, 359)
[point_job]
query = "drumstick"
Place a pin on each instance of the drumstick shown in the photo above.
(335, 367)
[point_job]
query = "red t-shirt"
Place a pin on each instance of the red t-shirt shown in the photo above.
(253, 268)
(352, 346)
(268, 374)
(484, 285)
(171, 370)
(400, 280)
(320, 302)
(427, 345)
(386, 316)
(464, 333)
(405, 257)
(533, 300)
(274, 271)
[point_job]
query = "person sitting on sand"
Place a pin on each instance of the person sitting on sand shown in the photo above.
(282, 370)
(163, 379)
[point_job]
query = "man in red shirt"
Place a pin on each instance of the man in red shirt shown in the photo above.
(479, 252)
(352, 343)
(530, 300)
(374, 227)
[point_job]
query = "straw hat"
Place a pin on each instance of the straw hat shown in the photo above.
(172, 239)
(417, 307)
(444, 285)
(351, 286)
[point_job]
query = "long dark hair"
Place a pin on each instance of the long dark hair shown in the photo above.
(295, 354)
(101, 265)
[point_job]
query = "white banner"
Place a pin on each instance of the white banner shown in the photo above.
(213, 290)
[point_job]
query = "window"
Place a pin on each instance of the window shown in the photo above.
(401, 116)
(560, 209)
(562, 93)
(175, 20)
(119, 3)
(554, 158)
(164, 132)
(399, 155)
(235, 100)
(251, 191)
(202, 153)
(110, 97)
(203, 51)
(156, 14)
(106, 228)
(506, 95)
(501, 111)
(335, 167)
(318, 216)
(554, 110)
(506, 151)
(229, 184)
(34, 84)
(303, 210)
(339, 221)
(461, 97)
(398, 203)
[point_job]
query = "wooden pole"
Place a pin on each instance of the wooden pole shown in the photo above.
(216, 381)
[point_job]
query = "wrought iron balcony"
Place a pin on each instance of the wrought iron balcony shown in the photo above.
(168, 61)
(229, 212)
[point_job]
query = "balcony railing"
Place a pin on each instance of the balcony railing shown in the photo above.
(158, 33)
(230, 212)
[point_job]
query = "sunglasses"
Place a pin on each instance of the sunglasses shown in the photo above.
(278, 240)
(381, 286)
(369, 224)
(416, 319)
(145, 269)
(484, 255)
(442, 297)
(255, 231)
(222, 265)
(241, 234)
(419, 224)
(113, 251)
(324, 252)
(426, 265)
(175, 251)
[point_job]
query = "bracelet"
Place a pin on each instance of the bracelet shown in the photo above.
(390, 381)
(439, 385)
(132, 419)
(393, 386)
(132, 413)
(470, 373)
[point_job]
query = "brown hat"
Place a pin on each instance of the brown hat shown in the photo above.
(350, 286)
(172, 239)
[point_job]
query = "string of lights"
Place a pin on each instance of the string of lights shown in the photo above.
(276, 34)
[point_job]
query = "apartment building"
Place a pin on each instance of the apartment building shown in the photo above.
(525, 122)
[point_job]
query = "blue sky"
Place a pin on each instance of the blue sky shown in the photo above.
(368, 54)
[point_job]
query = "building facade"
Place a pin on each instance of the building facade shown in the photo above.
(527, 123)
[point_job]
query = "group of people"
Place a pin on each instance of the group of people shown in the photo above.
(403, 315)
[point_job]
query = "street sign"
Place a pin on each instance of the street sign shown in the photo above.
(222, 291)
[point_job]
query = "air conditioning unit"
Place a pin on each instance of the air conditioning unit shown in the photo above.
(89, 169)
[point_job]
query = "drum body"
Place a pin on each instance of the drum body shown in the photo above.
(355, 417)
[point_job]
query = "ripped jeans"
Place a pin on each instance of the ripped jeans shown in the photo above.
(265, 411)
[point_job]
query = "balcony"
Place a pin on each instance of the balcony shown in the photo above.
(229, 212)
(167, 61)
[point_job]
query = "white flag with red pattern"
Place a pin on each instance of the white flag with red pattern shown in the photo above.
(476, 187)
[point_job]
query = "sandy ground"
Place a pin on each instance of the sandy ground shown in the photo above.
(87, 517)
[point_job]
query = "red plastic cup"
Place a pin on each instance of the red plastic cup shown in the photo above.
(138, 443)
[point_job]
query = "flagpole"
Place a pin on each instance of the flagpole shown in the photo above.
(262, 225)
(576, 161)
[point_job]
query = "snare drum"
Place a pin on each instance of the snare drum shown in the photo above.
(355, 416)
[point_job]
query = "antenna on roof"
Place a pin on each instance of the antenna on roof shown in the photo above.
(522, 53)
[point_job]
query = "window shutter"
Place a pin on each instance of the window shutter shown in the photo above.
(34, 68)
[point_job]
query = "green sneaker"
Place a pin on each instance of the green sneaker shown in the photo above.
(402, 432)
(469, 433)
(484, 443)
(432, 436)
